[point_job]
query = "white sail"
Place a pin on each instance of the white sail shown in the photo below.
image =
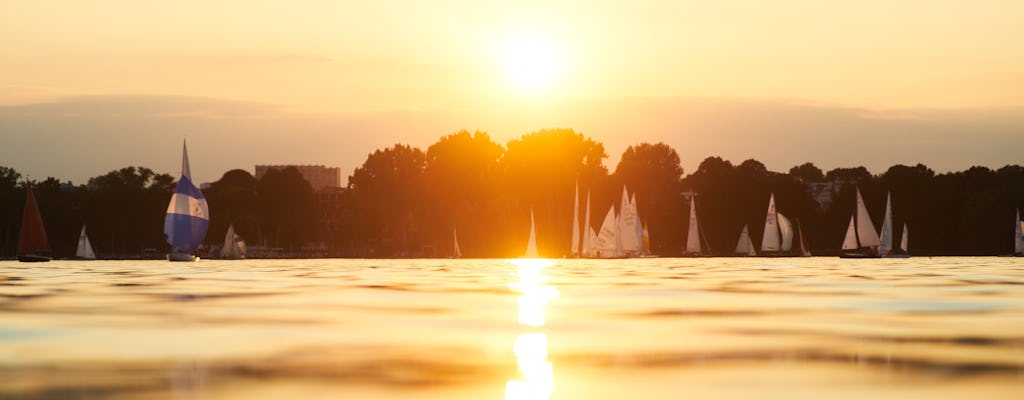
(455, 239)
(770, 238)
(744, 245)
(588, 239)
(692, 233)
(608, 242)
(903, 241)
(886, 236)
(234, 246)
(850, 240)
(84, 249)
(592, 250)
(574, 250)
(866, 233)
(786, 229)
(628, 224)
(531, 245)
(1018, 243)
(639, 224)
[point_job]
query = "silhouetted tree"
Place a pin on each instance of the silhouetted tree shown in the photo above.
(654, 174)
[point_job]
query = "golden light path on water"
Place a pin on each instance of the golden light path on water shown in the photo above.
(531, 348)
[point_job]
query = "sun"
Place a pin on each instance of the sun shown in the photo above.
(532, 62)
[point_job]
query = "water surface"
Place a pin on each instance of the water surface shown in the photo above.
(720, 328)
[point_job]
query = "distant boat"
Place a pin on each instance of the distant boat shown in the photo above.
(32, 243)
(531, 244)
(1018, 236)
(902, 250)
(234, 246)
(589, 237)
(609, 239)
(693, 242)
(744, 246)
(885, 237)
(187, 216)
(805, 250)
(455, 239)
(630, 231)
(84, 250)
(574, 249)
(861, 239)
(777, 239)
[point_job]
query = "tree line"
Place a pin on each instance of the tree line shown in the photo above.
(404, 201)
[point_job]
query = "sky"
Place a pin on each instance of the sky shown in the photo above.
(91, 86)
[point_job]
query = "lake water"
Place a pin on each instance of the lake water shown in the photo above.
(718, 328)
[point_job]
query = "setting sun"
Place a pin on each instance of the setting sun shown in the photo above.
(532, 62)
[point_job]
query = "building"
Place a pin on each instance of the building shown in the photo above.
(318, 176)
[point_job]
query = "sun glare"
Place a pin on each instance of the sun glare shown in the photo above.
(532, 62)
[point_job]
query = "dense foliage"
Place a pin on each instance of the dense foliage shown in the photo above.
(404, 201)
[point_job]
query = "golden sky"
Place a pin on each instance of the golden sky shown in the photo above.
(339, 56)
(781, 81)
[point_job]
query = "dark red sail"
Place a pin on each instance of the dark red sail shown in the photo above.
(33, 234)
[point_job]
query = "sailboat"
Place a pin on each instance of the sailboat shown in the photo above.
(901, 251)
(628, 225)
(32, 243)
(805, 250)
(693, 245)
(455, 238)
(574, 250)
(861, 240)
(187, 216)
(531, 244)
(744, 246)
(589, 238)
(84, 249)
(234, 246)
(609, 239)
(777, 239)
(1018, 236)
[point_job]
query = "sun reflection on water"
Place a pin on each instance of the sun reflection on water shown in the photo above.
(531, 348)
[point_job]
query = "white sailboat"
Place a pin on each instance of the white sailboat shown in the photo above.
(531, 244)
(234, 246)
(574, 250)
(693, 247)
(589, 238)
(770, 237)
(84, 250)
(901, 251)
(188, 216)
(885, 237)
(861, 240)
(628, 225)
(609, 241)
(744, 246)
(455, 238)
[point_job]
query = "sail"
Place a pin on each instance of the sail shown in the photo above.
(770, 238)
(33, 233)
(575, 247)
(692, 235)
(850, 240)
(866, 233)
(628, 224)
(786, 228)
(1018, 243)
(187, 214)
(886, 236)
(84, 249)
(744, 245)
(805, 250)
(646, 248)
(639, 224)
(592, 250)
(608, 242)
(233, 247)
(455, 239)
(903, 241)
(588, 238)
(531, 245)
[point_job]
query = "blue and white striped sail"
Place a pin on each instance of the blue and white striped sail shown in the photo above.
(187, 214)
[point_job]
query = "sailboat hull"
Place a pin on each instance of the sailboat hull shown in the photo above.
(33, 258)
(859, 255)
(896, 256)
(183, 257)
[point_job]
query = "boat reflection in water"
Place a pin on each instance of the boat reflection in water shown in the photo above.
(531, 348)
